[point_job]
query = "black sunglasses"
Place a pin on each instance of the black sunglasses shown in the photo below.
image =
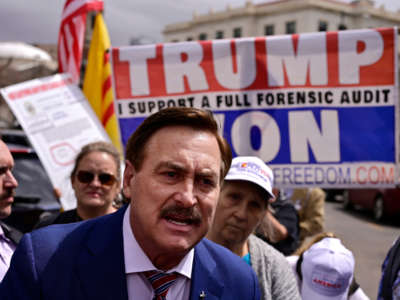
(104, 178)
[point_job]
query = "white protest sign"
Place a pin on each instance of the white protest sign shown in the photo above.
(58, 121)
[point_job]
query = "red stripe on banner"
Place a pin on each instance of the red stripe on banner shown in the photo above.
(234, 59)
(107, 82)
(106, 87)
(106, 57)
(108, 114)
(276, 64)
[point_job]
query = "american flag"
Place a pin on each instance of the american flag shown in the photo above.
(71, 36)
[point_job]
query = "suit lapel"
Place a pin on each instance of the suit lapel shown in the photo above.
(204, 278)
(101, 267)
(11, 233)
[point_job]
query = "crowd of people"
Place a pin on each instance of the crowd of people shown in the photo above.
(195, 224)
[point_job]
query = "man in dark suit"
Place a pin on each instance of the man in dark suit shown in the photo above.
(9, 237)
(154, 247)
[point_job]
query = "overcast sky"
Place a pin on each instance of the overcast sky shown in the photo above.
(38, 21)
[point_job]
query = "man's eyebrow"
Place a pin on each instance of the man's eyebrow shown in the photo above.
(208, 173)
(170, 165)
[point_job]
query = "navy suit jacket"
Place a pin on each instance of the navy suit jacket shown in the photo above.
(85, 260)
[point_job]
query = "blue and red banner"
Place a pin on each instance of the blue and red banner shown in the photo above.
(320, 109)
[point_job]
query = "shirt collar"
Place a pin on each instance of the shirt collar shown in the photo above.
(3, 236)
(137, 261)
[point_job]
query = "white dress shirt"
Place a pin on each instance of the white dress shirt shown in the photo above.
(136, 261)
(7, 248)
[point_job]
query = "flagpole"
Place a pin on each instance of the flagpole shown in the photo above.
(91, 16)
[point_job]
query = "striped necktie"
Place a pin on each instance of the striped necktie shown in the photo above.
(161, 282)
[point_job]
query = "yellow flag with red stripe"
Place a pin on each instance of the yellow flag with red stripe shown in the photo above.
(97, 85)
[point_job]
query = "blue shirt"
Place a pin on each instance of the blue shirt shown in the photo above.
(247, 259)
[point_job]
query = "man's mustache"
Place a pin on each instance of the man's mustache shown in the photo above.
(191, 213)
(7, 193)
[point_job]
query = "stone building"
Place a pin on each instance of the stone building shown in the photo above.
(282, 17)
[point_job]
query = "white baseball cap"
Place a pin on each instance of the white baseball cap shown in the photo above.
(253, 169)
(327, 270)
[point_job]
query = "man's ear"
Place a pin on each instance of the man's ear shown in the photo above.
(129, 175)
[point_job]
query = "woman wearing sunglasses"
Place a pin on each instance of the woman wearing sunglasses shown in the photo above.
(96, 181)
